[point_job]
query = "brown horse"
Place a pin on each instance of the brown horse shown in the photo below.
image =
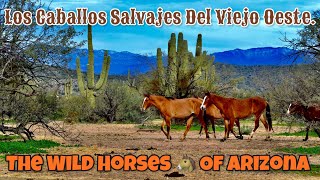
(235, 109)
(213, 113)
(310, 113)
(180, 109)
(175, 108)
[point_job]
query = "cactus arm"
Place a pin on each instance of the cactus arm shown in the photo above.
(161, 76)
(103, 72)
(80, 78)
(172, 65)
(90, 65)
(199, 45)
(104, 85)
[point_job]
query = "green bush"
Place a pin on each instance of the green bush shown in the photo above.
(75, 109)
(246, 130)
(120, 103)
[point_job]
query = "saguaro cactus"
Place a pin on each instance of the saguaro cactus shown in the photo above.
(91, 90)
(184, 70)
(160, 70)
(182, 54)
(198, 57)
(68, 88)
(172, 65)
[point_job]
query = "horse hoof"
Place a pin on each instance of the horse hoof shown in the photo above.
(222, 140)
(182, 139)
(305, 139)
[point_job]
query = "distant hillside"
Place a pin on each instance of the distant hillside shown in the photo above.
(121, 62)
(258, 56)
(256, 77)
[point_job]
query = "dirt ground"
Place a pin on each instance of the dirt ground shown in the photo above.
(119, 138)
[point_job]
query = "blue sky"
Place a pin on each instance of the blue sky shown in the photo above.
(145, 39)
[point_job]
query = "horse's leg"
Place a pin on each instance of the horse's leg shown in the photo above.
(200, 132)
(213, 127)
(226, 130)
(204, 124)
(308, 127)
(238, 125)
(317, 131)
(168, 122)
(264, 122)
(256, 125)
(228, 135)
(189, 123)
(232, 131)
(231, 127)
(162, 127)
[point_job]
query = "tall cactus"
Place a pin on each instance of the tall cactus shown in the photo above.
(172, 66)
(160, 71)
(68, 88)
(183, 67)
(184, 58)
(199, 45)
(92, 90)
(198, 57)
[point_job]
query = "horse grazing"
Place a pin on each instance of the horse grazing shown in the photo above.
(235, 109)
(310, 113)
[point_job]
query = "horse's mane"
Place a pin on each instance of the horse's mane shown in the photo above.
(170, 98)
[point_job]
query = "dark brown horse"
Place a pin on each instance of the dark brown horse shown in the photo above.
(310, 113)
(235, 109)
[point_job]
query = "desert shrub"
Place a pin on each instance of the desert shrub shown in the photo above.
(246, 130)
(76, 109)
(32, 109)
(120, 103)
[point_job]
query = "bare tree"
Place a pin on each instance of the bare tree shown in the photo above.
(30, 60)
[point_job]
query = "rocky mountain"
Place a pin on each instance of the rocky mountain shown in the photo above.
(121, 62)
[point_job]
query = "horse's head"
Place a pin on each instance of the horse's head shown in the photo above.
(295, 108)
(146, 102)
(186, 164)
(205, 101)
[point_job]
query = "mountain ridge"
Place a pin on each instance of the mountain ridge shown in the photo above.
(123, 61)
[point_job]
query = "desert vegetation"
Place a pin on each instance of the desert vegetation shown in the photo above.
(38, 91)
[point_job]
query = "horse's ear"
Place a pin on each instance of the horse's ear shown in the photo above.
(207, 93)
(146, 95)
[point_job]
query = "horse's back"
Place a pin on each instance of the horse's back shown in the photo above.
(184, 107)
(252, 101)
(314, 112)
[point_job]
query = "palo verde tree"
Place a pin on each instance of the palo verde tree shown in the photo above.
(30, 60)
(185, 74)
(92, 89)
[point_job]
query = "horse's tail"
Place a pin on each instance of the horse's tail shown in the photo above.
(268, 115)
